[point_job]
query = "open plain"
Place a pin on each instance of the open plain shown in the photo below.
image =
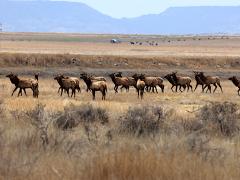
(188, 135)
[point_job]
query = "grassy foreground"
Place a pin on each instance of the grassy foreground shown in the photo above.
(166, 136)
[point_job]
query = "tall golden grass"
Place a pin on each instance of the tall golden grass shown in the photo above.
(95, 151)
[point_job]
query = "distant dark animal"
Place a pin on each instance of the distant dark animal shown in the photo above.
(132, 43)
(236, 82)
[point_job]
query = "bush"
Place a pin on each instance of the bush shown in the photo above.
(86, 113)
(141, 121)
(221, 117)
(41, 120)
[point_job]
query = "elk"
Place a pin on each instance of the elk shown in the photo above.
(236, 82)
(131, 81)
(24, 84)
(119, 81)
(208, 80)
(153, 82)
(95, 86)
(174, 83)
(198, 81)
(66, 84)
(72, 78)
(95, 78)
(140, 84)
(182, 81)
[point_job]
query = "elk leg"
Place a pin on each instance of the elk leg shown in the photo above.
(138, 92)
(177, 87)
(191, 87)
(196, 87)
(14, 90)
(59, 89)
(202, 88)
(103, 94)
(121, 88)
(72, 93)
(239, 91)
(156, 89)
(220, 86)
(147, 88)
(25, 92)
(187, 87)
(172, 88)
(79, 89)
(116, 89)
(214, 88)
(67, 92)
(20, 91)
(126, 87)
(180, 88)
(93, 94)
(209, 87)
(162, 88)
(141, 93)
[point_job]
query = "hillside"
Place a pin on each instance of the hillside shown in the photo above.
(57, 16)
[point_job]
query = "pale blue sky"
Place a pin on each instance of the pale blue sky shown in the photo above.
(133, 8)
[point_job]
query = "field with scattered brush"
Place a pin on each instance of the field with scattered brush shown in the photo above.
(189, 135)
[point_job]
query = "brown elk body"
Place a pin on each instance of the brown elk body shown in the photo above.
(119, 81)
(199, 81)
(153, 82)
(140, 84)
(94, 78)
(208, 80)
(67, 84)
(236, 82)
(24, 84)
(75, 79)
(182, 81)
(94, 86)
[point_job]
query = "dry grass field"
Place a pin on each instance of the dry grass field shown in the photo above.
(189, 135)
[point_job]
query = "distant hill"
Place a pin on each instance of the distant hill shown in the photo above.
(50, 16)
(57, 16)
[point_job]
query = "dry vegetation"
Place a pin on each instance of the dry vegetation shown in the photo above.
(165, 136)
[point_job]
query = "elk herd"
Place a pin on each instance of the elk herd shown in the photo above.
(140, 82)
